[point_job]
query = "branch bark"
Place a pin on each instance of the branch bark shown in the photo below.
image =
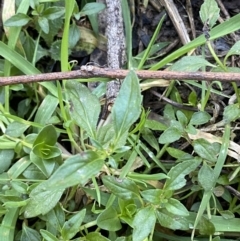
(116, 45)
(93, 71)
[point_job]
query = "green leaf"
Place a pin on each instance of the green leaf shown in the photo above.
(46, 109)
(178, 154)
(84, 106)
(206, 150)
(33, 172)
(170, 135)
(20, 187)
(220, 30)
(45, 151)
(71, 227)
(200, 118)
(150, 138)
(209, 12)
(190, 129)
(140, 176)
(16, 129)
(92, 8)
(234, 50)
(177, 173)
(8, 224)
(29, 234)
(122, 188)
(18, 167)
(42, 200)
(206, 177)
(45, 166)
(48, 236)
(127, 106)
(176, 207)
(182, 118)
(155, 125)
(55, 50)
(143, 223)
(169, 112)
(17, 20)
(154, 196)
(227, 214)
(29, 45)
(128, 208)
(231, 112)
(6, 157)
(47, 135)
(108, 220)
(55, 219)
(75, 170)
(44, 24)
(190, 63)
(206, 227)
(192, 98)
(105, 135)
(53, 12)
(94, 236)
(172, 221)
(74, 35)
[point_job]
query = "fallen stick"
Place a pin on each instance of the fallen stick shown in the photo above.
(90, 71)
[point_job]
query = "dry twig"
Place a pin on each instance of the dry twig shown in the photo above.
(93, 71)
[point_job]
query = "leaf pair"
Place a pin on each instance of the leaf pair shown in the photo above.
(74, 171)
(85, 109)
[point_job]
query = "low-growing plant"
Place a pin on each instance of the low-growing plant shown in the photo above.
(68, 174)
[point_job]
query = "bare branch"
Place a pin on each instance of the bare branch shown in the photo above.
(93, 71)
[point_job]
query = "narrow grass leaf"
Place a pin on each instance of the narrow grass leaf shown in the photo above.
(8, 224)
(217, 170)
(18, 167)
(220, 30)
(25, 66)
(17, 60)
(152, 41)
(127, 107)
(128, 30)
